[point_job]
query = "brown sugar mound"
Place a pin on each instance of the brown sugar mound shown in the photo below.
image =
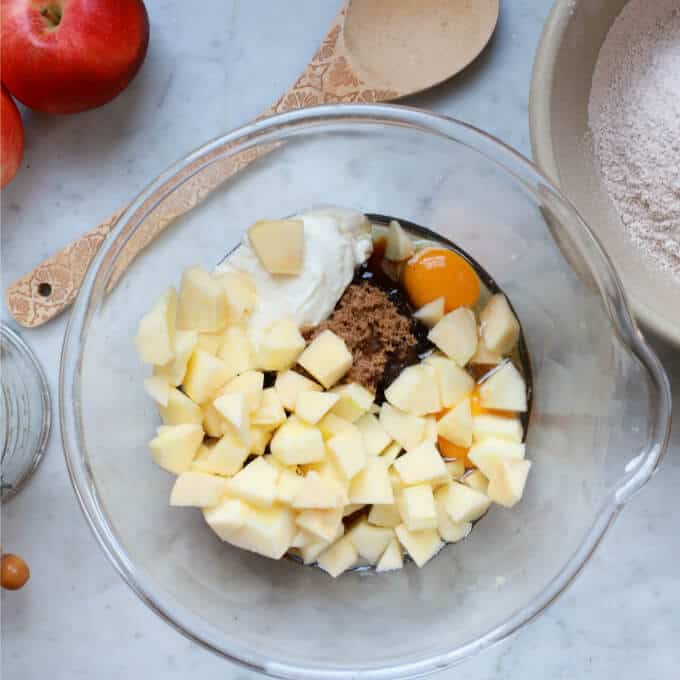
(374, 331)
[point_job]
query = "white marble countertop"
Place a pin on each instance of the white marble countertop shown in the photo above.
(209, 70)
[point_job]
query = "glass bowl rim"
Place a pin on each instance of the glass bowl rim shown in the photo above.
(499, 154)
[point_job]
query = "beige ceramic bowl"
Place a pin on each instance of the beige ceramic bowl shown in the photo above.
(558, 111)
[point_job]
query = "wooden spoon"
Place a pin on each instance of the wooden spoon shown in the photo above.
(375, 50)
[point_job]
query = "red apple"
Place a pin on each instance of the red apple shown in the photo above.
(11, 138)
(65, 56)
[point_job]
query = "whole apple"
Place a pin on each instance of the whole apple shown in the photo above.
(11, 138)
(65, 56)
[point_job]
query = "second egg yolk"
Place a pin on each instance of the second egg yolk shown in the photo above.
(437, 272)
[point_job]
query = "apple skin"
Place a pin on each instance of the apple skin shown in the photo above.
(66, 56)
(11, 138)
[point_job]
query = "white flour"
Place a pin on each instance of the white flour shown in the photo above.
(634, 117)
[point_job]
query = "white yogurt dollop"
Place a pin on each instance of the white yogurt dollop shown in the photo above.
(337, 240)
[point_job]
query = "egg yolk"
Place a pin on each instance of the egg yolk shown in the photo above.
(437, 272)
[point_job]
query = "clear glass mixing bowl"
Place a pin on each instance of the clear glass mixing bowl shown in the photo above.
(598, 431)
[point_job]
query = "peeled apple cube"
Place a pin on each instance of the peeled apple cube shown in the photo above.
(456, 335)
(279, 245)
(373, 434)
(198, 489)
(259, 438)
(174, 371)
(463, 503)
(296, 443)
(450, 531)
(175, 446)
(506, 487)
(391, 453)
(392, 558)
(250, 384)
(484, 356)
(313, 406)
(347, 451)
(339, 557)
(385, 515)
(317, 492)
(289, 385)
(155, 339)
(476, 480)
(499, 327)
(270, 414)
(331, 425)
(158, 389)
(226, 518)
(422, 546)
(423, 464)
(326, 358)
(415, 390)
(486, 454)
(504, 390)
(214, 423)
(456, 425)
(330, 471)
(431, 313)
(202, 303)
(267, 531)
(372, 484)
(354, 401)
(288, 486)
(180, 409)
(324, 524)
(399, 246)
(416, 507)
(403, 427)
(233, 408)
(236, 350)
(205, 375)
(454, 382)
(370, 541)
(225, 457)
(240, 289)
(255, 483)
(280, 346)
(210, 342)
(498, 427)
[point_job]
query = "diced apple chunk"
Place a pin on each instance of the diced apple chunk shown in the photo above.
(155, 339)
(399, 246)
(499, 327)
(232, 407)
(295, 443)
(226, 518)
(423, 464)
(202, 304)
(415, 390)
(241, 292)
(463, 503)
(476, 480)
(270, 414)
(324, 524)
(317, 492)
(456, 425)
(485, 426)
(209, 342)
(175, 447)
(431, 313)
(487, 453)
(226, 457)
(214, 423)
(506, 487)
(259, 438)
(313, 406)
(372, 484)
(347, 451)
(175, 370)
(158, 389)
(331, 425)
(504, 389)
(484, 356)
(403, 427)
(256, 483)
(456, 335)
(288, 486)
(373, 434)
(354, 401)
(267, 531)
(326, 358)
(454, 382)
(279, 245)
(290, 384)
(205, 375)
(422, 546)
(198, 489)
(339, 557)
(236, 350)
(280, 346)
(370, 541)
(392, 558)
(391, 453)
(385, 515)
(416, 507)
(250, 384)
(450, 531)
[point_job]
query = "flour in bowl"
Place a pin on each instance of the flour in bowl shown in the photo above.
(634, 118)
